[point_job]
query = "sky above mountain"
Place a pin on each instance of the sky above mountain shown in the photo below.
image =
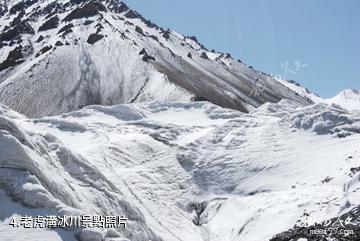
(313, 42)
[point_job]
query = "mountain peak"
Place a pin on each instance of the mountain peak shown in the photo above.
(77, 53)
(348, 99)
(349, 94)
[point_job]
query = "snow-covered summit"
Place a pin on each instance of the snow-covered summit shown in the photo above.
(58, 56)
(350, 93)
(348, 99)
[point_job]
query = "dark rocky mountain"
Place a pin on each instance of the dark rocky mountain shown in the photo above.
(58, 56)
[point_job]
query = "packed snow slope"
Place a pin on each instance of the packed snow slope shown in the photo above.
(59, 56)
(180, 171)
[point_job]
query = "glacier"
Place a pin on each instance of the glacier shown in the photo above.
(181, 171)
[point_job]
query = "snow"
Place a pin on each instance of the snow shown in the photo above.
(12, 210)
(348, 99)
(301, 91)
(254, 175)
(112, 70)
(192, 117)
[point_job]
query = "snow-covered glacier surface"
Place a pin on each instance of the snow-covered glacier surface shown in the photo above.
(179, 171)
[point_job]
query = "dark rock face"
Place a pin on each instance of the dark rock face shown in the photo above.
(22, 5)
(56, 8)
(50, 24)
(143, 51)
(129, 23)
(41, 38)
(48, 11)
(88, 10)
(117, 7)
(77, 1)
(14, 33)
(139, 30)
(59, 43)
(154, 38)
(93, 38)
(194, 38)
(199, 98)
(3, 8)
(204, 55)
(150, 24)
(88, 22)
(2, 45)
(293, 82)
(189, 55)
(99, 27)
(14, 58)
(66, 29)
(146, 57)
(166, 34)
(17, 20)
(43, 50)
(132, 14)
(67, 32)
